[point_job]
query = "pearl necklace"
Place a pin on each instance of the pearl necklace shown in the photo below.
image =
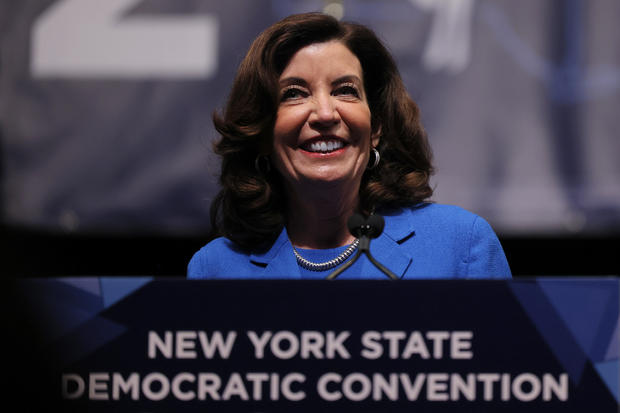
(322, 266)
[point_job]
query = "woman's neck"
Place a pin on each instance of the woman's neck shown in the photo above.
(320, 222)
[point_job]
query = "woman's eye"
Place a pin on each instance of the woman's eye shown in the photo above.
(293, 93)
(347, 91)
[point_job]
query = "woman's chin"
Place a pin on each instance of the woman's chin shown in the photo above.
(329, 178)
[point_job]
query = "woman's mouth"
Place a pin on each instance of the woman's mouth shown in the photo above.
(323, 145)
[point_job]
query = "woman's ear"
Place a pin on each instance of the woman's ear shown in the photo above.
(375, 136)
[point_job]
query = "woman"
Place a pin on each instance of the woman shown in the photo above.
(319, 126)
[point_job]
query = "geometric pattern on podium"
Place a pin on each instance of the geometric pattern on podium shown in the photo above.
(114, 289)
(71, 310)
(557, 307)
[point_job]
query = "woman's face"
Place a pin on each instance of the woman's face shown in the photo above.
(322, 131)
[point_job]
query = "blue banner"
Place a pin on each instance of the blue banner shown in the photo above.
(141, 344)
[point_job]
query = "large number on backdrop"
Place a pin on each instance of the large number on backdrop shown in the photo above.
(91, 38)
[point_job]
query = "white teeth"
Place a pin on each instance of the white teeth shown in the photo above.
(326, 146)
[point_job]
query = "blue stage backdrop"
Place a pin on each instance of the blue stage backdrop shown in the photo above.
(105, 106)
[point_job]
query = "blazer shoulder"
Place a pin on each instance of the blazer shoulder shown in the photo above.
(444, 214)
(208, 260)
(471, 237)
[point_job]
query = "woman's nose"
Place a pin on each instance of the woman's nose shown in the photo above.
(324, 112)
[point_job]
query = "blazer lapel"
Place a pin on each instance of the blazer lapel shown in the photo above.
(279, 261)
(387, 249)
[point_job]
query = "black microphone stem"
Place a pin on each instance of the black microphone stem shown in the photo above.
(346, 265)
(363, 248)
(381, 266)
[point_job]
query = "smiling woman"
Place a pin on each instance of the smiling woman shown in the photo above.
(321, 140)
(319, 126)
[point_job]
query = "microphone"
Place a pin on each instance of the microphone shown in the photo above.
(356, 224)
(371, 227)
(375, 223)
(365, 230)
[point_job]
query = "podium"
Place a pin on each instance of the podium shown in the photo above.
(163, 345)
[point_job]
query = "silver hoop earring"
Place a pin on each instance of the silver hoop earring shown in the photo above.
(375, 157)
(262, 164)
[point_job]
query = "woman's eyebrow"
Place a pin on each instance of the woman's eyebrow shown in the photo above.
(347, 78)
(299, 81)
(293, 81)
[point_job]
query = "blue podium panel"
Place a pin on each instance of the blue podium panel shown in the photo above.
(162, 345)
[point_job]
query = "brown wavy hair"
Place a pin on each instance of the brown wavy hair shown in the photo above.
(249, 209)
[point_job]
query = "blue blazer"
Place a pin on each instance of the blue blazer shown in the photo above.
(426, 241)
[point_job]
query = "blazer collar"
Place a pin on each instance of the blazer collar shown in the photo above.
(279, 261)
(387, 248)
(398, 224)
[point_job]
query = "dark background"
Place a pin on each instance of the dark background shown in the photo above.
(31, 253)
